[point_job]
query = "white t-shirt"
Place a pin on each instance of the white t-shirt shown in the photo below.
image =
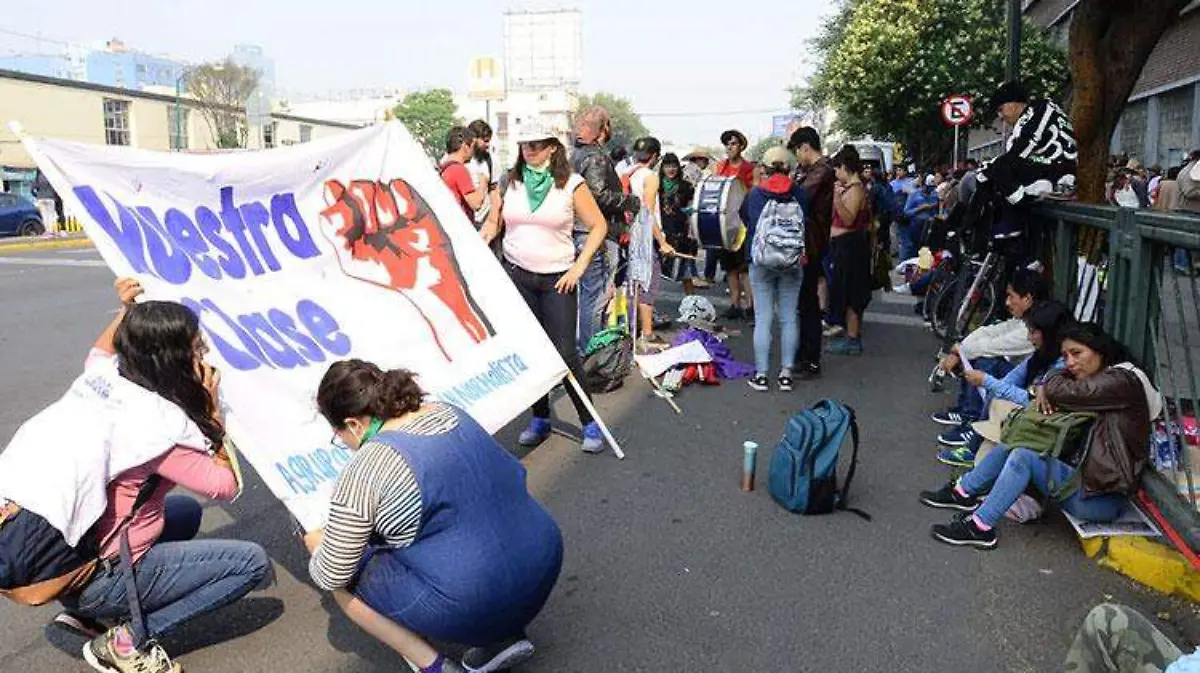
(478, 170)
(540, 241)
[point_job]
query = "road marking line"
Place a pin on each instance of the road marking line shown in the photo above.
(50, 261)
(890, 319)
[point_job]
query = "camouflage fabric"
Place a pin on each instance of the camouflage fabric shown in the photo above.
(1116, 639)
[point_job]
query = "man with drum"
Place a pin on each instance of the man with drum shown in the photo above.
(734, 261)
(593, 128)
(818, 184)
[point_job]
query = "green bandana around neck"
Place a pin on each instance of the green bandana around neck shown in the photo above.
(372, 430)
(538, 181)
(670, 185)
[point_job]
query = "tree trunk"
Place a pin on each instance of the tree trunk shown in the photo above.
(1109, 44)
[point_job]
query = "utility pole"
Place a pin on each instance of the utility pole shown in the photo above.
(1013, 69)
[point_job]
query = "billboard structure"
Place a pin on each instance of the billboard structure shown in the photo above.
(543, 49)
(486, 80)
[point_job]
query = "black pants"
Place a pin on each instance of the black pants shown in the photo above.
(810, 313)
(557, 314)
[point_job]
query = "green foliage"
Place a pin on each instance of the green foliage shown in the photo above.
(758, 149)
(221, 91)
(627, 126)
(885, 65)
(429, 116)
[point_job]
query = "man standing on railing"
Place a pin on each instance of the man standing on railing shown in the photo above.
(1041, 155)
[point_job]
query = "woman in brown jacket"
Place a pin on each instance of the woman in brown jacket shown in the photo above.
(1098, 378)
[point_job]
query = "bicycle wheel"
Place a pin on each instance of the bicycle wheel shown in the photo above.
(945, 307)
(985, 309)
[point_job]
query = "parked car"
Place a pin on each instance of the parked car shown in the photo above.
(19, 217)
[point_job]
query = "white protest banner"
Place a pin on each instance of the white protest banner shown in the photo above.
(346, 247)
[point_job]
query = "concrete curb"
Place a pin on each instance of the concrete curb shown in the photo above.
(45, 244)
(1146, 562)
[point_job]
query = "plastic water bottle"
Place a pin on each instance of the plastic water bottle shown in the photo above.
(749, 461)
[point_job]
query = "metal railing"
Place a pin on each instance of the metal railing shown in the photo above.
(1134, 271)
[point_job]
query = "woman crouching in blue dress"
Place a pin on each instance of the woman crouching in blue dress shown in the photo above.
(432, 534)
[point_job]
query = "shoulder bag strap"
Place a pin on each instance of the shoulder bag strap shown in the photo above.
(137, 621)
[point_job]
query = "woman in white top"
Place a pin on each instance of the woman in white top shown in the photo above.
(541, 204)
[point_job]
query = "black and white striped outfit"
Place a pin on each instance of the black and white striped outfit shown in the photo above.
(376, 494)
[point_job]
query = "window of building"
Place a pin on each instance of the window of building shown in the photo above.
(116, 121)
(177, 122)
(305, 133)
(1133, 130)
(1174, 125)
(268, 135)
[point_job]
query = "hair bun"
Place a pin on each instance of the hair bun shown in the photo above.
(397, 393)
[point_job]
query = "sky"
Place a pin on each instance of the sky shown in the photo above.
(719, 66)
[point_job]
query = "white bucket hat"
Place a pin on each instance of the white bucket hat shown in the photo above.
(538, 129)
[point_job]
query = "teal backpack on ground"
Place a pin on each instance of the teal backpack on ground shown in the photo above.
(803, 471)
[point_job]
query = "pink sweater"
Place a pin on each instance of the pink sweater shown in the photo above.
(191, 469)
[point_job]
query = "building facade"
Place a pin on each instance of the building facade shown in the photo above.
(1161, 121)
(84, 112)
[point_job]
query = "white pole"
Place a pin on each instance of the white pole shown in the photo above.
(954, 163)
(587, 402)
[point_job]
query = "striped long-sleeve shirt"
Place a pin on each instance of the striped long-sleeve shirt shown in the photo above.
(376, 493)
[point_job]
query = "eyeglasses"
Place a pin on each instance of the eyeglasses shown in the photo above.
(337, 442)
(536, 145)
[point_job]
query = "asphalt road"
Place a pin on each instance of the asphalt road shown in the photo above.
(669, 567)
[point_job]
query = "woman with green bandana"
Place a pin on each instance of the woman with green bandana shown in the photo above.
(542, 202)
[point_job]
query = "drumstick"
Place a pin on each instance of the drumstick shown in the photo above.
(680, 255)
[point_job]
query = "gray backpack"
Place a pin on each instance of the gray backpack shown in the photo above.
(779, 235)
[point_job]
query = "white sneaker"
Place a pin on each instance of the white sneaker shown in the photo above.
(902, 288)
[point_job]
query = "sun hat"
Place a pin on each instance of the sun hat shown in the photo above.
(538, 129)
(732, 134)
(777, 154)
(998, 411)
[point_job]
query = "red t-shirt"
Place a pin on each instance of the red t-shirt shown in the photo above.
(458, 179)
(744, 172)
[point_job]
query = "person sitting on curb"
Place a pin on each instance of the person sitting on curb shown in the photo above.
(1099, 378)
(1045, 324)
(432, 533)
(993, 349)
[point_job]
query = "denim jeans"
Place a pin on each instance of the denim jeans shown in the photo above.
(1007, 472)
(178, 579)
(910, 237)
(770, 286)
(1183, 259)
(592, 289)
(970, 402)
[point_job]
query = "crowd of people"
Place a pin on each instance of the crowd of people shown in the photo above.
(1131, 185)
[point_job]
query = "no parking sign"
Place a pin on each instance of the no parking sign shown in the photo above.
(957, 110)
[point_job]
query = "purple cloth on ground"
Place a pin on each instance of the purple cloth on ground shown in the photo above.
(727, 367)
